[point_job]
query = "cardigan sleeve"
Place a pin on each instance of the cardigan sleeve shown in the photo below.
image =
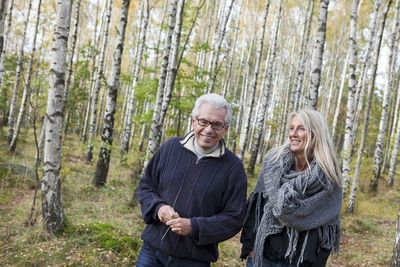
(227, 223)
(147, 191)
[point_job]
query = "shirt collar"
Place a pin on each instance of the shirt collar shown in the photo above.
(188, 140)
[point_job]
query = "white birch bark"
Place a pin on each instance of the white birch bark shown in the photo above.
(365, 64)
(52, 208)
(252, 89)
(339, 98)
(138, 61)
(353, 194)
(373, 186)
(18, 74)
(349, 131)
(301, 63)
(262, 114)
(220, 35)
(395, 152)
(4, 44)
(27, 85)
(103, 163)
(3, 13)
(396, 249)
(316, 68)
(155, 126)
(92, 74)
(96, 89)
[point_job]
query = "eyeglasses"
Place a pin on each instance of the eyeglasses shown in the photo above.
(216, 125)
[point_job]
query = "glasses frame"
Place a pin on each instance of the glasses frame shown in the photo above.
(214, 124)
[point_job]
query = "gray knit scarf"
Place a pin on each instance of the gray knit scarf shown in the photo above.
(301, 201)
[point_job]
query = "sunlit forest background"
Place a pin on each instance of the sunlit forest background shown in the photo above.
(89, 89)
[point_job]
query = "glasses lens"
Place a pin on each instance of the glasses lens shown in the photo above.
(217, 125)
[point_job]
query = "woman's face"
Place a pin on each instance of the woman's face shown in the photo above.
(297, 136)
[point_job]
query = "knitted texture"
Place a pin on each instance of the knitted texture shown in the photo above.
(299, 201)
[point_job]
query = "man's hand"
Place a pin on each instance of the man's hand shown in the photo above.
(166, 213)
(180, 226)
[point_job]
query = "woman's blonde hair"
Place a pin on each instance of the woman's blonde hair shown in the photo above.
(319, 145)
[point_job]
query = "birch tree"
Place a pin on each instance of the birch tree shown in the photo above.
(96, 89)
(27, 85)
(4, 42)
(396, 249)
(155, 126)
(103, 163)
(349, 131)
(373, 186)
(260, 47)
(18, 74)
(3, 13)
(353, 194)
(52, 208)
(262, 114)
(316, 68)
(218, 39)
(395, 152)
(138, 61)
(301, 62)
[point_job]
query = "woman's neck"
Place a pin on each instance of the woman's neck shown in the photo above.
(300, 163)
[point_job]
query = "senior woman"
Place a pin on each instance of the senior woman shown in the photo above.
(292, 216)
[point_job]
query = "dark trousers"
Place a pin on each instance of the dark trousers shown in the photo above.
(152, 257)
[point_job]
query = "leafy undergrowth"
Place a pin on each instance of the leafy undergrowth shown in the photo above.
(103, 229)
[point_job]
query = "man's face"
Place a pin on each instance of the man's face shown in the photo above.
(206, 136)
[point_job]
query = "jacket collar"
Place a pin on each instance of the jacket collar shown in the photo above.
(188, 140)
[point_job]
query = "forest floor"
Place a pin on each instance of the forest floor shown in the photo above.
(103, 227)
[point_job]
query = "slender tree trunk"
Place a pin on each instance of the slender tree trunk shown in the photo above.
(220, 35)
(139, 55)
(13, 102)
(353, 195)
(262, 114)
(395, 152)
(92, 125)
(3, 13)
(155, 123)
(396, 249)
(298, 80)
(52, 208)
(260, 47)
(4, 44)
(373, 185)
(349, 131)
(339, 98)
(103, 163)
(27, 86)
(316, 68)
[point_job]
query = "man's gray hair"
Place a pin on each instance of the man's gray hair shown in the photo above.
(216, 101)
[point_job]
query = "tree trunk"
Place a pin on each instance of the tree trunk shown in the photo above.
(395, 152)
(155, 123)
(260, 47)
(353, 195)
(13, 102)
(396, 249)
(4, 43)
(349, 131)
(103, 163)
(316, 68)
(3, 13)
(52, 208)
(380, 141)
(262, 114)
(219, 38)
(138, 61)
(99, 77)
(298, 80)
(27, 86)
